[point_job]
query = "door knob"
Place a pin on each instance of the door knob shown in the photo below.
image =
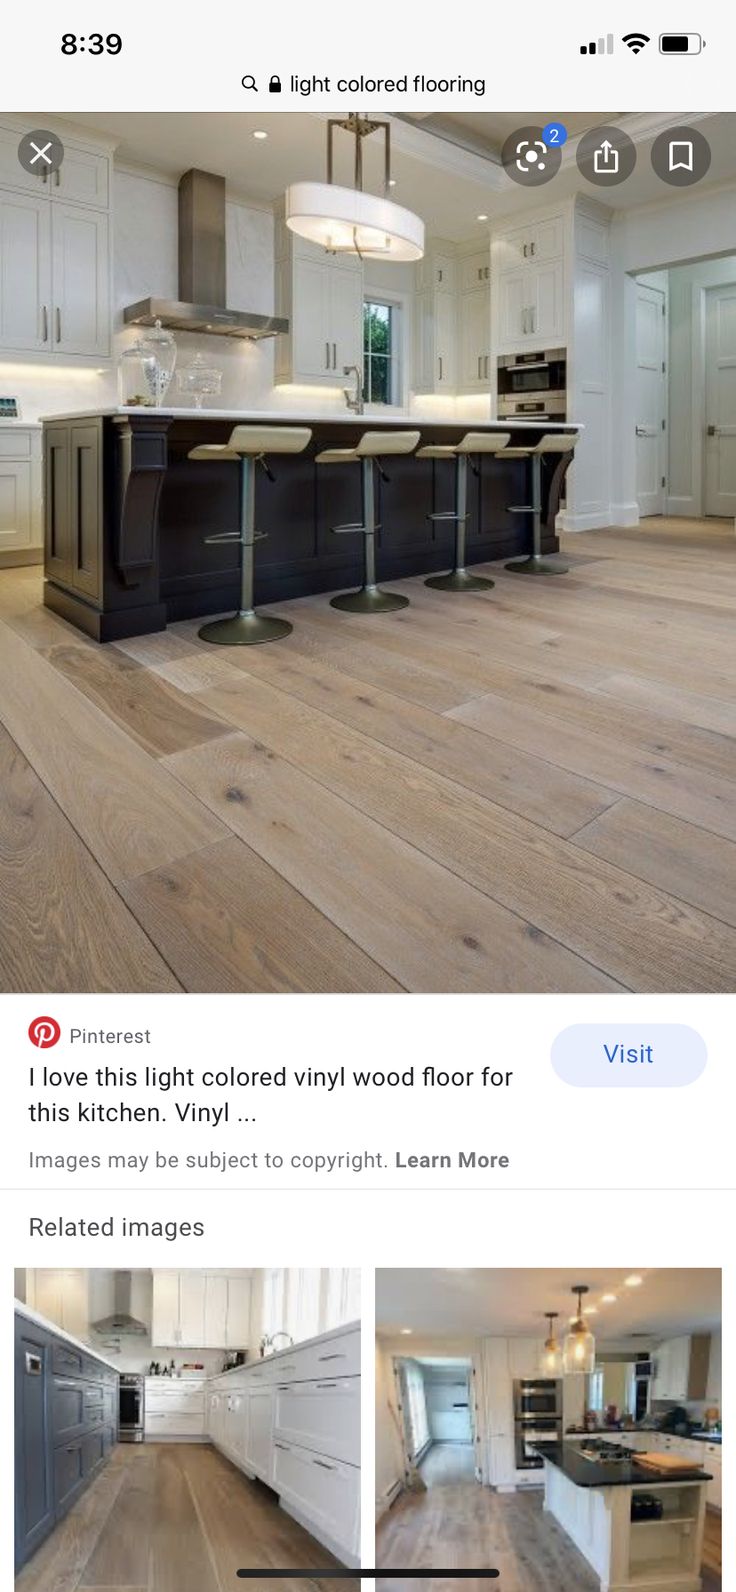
(641, 431)
(712, 431)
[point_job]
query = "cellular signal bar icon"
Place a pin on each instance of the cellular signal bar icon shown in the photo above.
(598, 47)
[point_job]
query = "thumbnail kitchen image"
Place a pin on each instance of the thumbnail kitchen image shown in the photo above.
(561, 1427)
(172, 1427)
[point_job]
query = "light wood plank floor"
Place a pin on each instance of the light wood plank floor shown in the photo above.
(456, 1524)
(528, 789)
(173, 1518)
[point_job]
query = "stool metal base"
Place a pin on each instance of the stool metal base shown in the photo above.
(245, 630)
(460, 580)
(369, 600)
(536, 565)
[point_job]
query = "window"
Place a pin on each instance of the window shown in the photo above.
(304, 1300)
(380, 352)
(415, 1408)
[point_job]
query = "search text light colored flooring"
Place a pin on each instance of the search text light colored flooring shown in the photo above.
(172, 1518)
(458, 1524)
(527, 789)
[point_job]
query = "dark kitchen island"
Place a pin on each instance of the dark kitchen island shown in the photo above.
(127, 512)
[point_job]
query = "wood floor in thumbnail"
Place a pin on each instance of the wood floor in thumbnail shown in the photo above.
(532, 788)
(456, 1524)
(173, 1518)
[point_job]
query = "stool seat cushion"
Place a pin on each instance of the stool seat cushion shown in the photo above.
(553, 442)
(437, 450)
(213, 450)
(337, 456)
(371, 445)
(484, 442)
(269, 439)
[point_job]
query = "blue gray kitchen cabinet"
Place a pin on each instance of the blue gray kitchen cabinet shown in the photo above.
(66, 1424)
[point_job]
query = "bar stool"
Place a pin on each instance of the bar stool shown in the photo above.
(373, 445)
(535, 564)
(248, 446)
(474, 442)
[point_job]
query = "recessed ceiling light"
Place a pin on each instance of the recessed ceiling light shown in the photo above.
(590, 1310)
(481, 218)
(634, 1281)
(406, 1332)
(392, 182)
(260, 134)
(608, 1299)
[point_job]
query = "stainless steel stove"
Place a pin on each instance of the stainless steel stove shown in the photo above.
(132, 1408)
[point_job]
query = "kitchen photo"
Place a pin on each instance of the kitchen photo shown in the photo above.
(367, 551)
(175, 1427)
(562, 1428)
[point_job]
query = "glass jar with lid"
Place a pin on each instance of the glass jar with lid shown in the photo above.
(199, 380)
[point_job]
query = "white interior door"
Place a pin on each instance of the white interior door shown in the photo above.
(720, 401)
(651, 398)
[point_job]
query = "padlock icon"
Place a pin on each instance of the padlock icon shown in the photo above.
(274, 86)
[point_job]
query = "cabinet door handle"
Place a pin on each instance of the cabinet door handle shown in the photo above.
(57, 178)
(533, 314)
(323, 1464)
(479, 367)
(33, 1364)
(45, 323)
(327, 356)
(334, 356)
(283, 1446)
(283, 1387)
(58, 324)
(323, 1357)
(488, 367)
(328, 1384)
(440, 358)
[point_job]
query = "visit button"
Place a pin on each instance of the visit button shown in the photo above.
(629, 1055)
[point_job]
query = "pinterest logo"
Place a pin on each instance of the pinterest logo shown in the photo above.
(44, 1032)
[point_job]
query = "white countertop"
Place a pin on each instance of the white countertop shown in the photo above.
(58, 1332)
(273, 417)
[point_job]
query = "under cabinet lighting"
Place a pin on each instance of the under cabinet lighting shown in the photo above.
(260, 134)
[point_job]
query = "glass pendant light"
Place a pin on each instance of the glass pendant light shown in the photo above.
(551, 1362)
(579, 1352)
(347, 220)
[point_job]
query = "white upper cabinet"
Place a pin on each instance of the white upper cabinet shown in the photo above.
(681, 1368)
(201, 1310)
(538, 241)
(55, 255)
(25, 272)
(62, 1296)
(81, 280)
(475, 270)
(322, 297)
(524, 1357)
(529, 284)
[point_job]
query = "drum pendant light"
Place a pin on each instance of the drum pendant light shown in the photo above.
(347, 220)
(579, 1352)
(551, 1362)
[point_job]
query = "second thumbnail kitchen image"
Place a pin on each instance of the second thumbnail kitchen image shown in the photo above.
(174, 1427)
(559, 1431)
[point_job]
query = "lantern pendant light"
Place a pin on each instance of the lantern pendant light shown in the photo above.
(579, 1352)
(347, 220)
(551, 1363)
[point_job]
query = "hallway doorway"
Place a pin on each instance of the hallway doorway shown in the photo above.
(436, 1402)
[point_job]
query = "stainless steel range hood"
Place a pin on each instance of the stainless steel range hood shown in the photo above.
(122, 1319)
(201, 306)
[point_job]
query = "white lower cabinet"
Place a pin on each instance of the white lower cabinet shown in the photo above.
(293, 1421)
(324, 1494)
(324, 1416)
(259, 1440)
(174, 1408)
(21, 521)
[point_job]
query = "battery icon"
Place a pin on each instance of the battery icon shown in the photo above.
(681, 43)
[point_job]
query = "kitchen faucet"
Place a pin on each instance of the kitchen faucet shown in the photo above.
(354, 400)
(267, 1342)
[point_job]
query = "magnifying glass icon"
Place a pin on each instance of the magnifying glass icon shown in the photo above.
(250, 82)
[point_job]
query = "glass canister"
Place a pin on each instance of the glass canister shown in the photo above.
(162, 345)
(199, 380)
(137, 376)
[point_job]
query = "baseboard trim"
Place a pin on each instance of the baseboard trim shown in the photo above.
(389, 1499)
(20, 557)
(614, 514)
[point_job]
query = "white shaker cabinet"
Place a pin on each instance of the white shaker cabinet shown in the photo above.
(531, 306)
(322, 1493)
(200, 1310)
(322, 297)
(165, 1322)
(21, 520)
(474, 374)
(81, 285)
(62, 1296)
(259, 1440)
(25, 271)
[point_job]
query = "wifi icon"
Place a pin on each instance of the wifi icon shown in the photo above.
(635, 41)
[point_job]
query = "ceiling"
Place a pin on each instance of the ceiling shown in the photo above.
(448, 185)
(459, 1304)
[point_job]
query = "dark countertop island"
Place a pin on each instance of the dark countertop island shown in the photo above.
(127, 512)
(583, 1472)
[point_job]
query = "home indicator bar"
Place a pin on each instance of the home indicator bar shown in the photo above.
(367, 1575)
